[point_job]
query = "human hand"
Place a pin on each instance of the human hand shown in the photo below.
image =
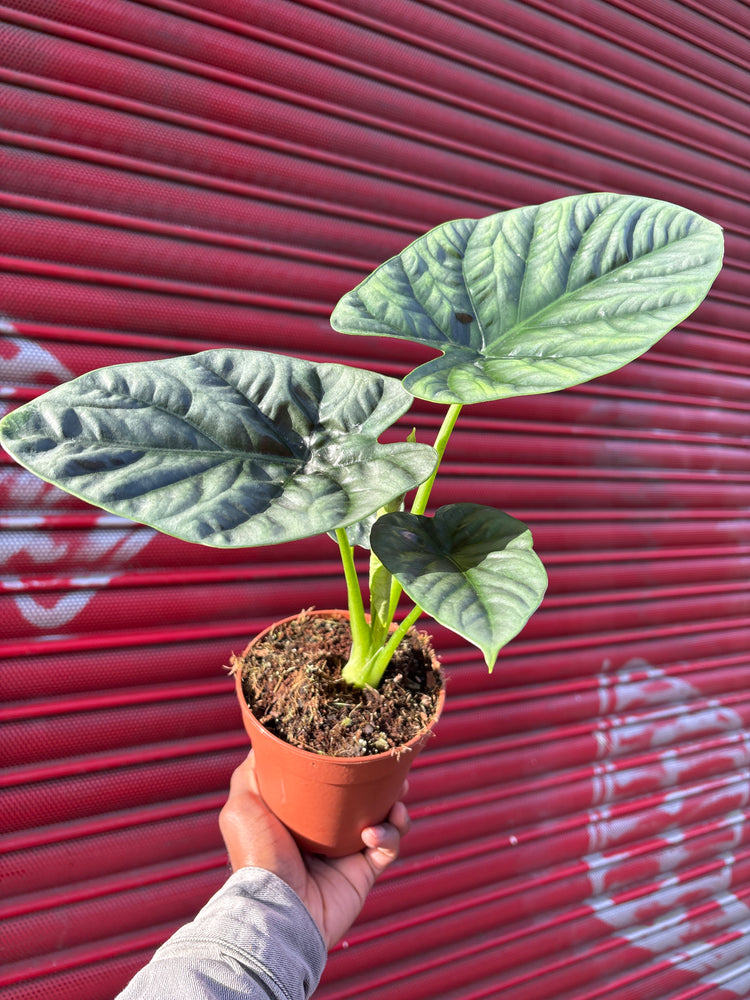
(333, 889)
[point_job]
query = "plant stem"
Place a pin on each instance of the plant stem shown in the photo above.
(379, 665)
(369, 659)
(357, 618)
(423, 493)
(441, 442)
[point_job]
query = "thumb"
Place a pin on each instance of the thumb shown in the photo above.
(382, 842)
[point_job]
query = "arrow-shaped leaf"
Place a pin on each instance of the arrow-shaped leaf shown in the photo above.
(471, 567)
(538, 299)
(228, 448)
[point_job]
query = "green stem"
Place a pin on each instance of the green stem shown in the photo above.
(377, 666)
(369, 660)
(423, 493)
(357, 618)
(441, 442)
(395, 638)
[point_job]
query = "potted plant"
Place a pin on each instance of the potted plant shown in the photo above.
(243, 448)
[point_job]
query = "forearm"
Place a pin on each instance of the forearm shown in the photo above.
(253, 939)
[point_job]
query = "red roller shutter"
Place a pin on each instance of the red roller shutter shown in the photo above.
(182, 175)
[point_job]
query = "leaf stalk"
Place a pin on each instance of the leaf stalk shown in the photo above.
(371, 654)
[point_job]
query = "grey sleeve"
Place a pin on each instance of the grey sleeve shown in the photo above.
(254, 940)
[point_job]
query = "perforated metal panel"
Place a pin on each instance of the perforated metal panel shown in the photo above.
(176, 176)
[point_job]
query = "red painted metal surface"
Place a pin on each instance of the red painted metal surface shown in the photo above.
(176, 176)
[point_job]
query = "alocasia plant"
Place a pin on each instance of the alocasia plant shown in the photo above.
(235, 448)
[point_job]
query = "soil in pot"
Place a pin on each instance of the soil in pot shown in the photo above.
(292, 682)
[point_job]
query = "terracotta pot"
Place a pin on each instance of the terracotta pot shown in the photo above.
(327, 801)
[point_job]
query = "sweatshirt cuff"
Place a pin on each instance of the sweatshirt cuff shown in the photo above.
(261, 922)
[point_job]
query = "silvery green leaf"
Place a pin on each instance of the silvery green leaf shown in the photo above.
(359, 533)
(471, 567)
(540, 298)
(228, 448)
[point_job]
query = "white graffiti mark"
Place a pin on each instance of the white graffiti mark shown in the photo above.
(659, 918)
(22, 489)
(28, 361)
(674, 768)
(118, 546)
(103, 548)
(675, 916)
(667, 724)
(49, 616)
(618, 868)
(714, 956)
(638, 686)
(40, 546)
(735, 978)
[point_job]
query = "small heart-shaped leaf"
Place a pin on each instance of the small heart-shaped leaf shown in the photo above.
(471, 567)
(228, 448)
(541, 298)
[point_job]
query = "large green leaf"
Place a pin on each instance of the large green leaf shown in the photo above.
(537, 299)
(471, 567)
(228, 448)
